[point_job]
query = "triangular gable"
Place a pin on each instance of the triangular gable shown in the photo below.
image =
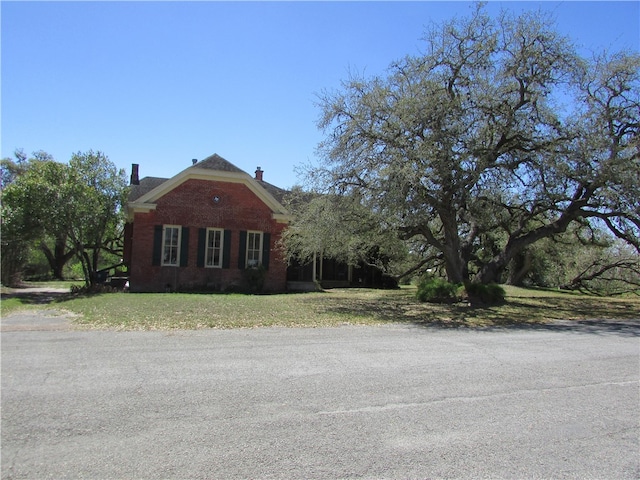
(213, 168)
(216, 162)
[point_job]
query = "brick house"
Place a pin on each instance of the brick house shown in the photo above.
(211, 227)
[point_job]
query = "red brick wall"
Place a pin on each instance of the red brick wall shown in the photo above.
(191, 205)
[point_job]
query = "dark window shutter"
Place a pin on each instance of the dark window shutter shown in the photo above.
(184, 247)
(242, 256)
(202, 243)
(226, 251)
(157, 246)
(266, 249)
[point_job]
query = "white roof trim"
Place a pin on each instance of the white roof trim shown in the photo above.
(139, 207)
(281, 218)
(147, 201)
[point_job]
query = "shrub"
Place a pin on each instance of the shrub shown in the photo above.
(90, 289)
(485, 293)
(254, 279)
(437, 290)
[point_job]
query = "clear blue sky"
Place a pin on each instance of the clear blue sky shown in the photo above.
(160, 83)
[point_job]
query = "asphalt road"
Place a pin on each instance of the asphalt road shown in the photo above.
(394, 402)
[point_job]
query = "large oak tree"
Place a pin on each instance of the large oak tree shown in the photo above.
(498, 129)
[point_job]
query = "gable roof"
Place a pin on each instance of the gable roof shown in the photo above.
(145, 186)
(142, 197)
(278, 193)
(216, 162)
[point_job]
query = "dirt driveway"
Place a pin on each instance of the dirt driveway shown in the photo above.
(36, 320)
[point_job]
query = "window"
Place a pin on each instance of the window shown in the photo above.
(254, 249)
(171, 245)
(213, 255)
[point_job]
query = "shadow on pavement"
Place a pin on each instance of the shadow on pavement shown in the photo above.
(627, 328)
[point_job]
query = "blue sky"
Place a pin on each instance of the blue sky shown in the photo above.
(160, 83)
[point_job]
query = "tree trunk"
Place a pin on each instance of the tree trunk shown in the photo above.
(455, 266)
(492, 270)
(14, 256)
(521, 267)
(58, 258)
(84, 261)
(94, 265)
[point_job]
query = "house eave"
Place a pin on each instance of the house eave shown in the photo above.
(138, 207)
(282, 217)
(145, 202)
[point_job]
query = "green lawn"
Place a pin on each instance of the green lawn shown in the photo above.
(127, 311)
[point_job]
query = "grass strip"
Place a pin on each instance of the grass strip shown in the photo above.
(126, 311)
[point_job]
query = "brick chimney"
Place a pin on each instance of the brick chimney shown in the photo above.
(135, 179)
(259, 173)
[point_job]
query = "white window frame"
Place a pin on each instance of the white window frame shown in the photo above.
(168, 262)
(251, 261)
(209, 252)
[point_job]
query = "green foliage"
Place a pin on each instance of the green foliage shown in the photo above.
(11, 170)
(74, 270)
(590, 261)
(485, 294)
(342, 228)
(99, 191)
(437, 290)
(466, 149)
(14, 255)
(25, 199)
(37, 268)
(73, 209)
(254, 279)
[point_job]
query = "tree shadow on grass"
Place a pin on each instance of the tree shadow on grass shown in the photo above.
(36, 297)
(544, 313)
